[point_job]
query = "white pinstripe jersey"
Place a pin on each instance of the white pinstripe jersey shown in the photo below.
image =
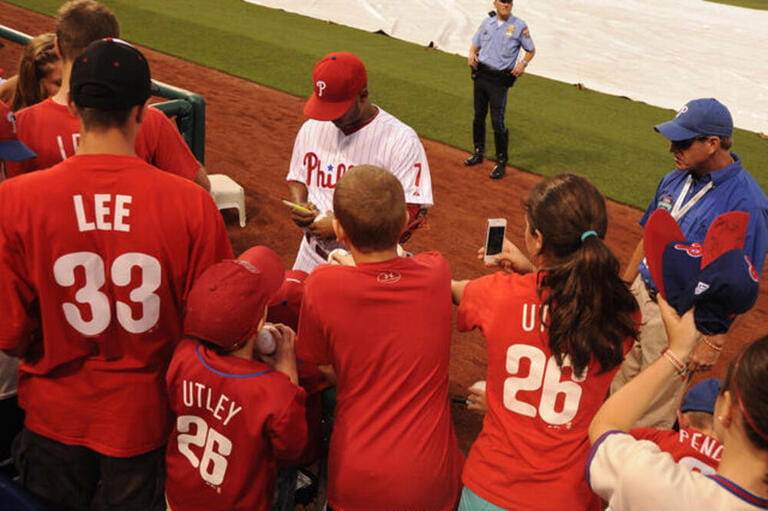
(322, 154)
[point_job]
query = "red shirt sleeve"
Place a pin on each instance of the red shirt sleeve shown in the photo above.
(475, 302)
(311, 344)
(288, 431)
(160, 143)
(211, 231)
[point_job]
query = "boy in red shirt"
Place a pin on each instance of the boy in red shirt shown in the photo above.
(695, 445)
(52, 131)
(237, 410)
(382, 331)
(97, 255)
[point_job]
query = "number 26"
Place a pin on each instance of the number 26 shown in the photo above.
(545, 375)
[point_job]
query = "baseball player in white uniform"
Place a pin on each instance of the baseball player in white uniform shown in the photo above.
(360, 133)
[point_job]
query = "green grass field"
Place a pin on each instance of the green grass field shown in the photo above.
(555, 127)
(749, 4)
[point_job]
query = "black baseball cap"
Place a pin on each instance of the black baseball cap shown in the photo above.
(110, 75)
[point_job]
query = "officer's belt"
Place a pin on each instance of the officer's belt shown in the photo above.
(489, 71)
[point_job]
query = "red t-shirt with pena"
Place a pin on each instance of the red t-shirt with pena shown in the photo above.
(386, 329)
(694, 449)
(98, 255)
(531, 451)
(234, 418)
(53, 133)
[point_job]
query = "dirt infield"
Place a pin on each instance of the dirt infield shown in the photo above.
(250, 132)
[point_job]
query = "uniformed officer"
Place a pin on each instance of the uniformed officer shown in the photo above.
(493, 59)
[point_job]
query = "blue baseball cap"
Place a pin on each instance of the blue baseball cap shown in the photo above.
(702, 396)
(705, 116)
(727, 287)
(716, 277)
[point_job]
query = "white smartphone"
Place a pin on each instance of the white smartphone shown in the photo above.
(494, 238)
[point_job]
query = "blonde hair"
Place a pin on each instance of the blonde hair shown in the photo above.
(36, 62)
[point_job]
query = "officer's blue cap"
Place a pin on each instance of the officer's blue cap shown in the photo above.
(702, 396)
(705, 116)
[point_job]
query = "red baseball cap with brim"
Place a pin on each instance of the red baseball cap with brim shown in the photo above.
(11, 148)
(337, 80)
(286, 303)
(229, 299)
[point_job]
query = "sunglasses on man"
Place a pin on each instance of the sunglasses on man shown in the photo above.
(682, 145)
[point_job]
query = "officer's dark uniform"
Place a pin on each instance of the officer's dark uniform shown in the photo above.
(499, 46)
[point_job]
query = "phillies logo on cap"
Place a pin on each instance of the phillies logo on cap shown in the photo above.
(693, 250)
(682, 111)
(752, 272)
(321, 85)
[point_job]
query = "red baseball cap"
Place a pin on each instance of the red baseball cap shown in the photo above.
(228, 301)
(11, 148)
(286, 303)
(337, 80)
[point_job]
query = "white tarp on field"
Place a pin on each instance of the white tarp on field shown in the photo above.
(662, 52)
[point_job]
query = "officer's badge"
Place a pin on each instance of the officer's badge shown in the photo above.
(665, 203)
(510, 32)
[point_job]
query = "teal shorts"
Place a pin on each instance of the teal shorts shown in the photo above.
(470, 501)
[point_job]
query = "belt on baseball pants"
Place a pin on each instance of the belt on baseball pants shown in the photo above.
(322, 253)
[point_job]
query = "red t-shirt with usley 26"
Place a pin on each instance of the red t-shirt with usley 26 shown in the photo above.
(694, 449)
(98, 254)
(531, 451)
(234, 418)
(53, 133)
(386, 329)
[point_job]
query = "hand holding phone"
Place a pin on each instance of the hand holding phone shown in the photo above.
(494, 238)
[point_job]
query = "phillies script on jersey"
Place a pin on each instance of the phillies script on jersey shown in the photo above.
(324, 176)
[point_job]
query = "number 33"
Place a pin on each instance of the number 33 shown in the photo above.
(98, 302)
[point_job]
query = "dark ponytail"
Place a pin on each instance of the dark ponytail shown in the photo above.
(590, 307)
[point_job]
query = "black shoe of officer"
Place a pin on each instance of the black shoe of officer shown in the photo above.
(499, 170)
(474, 159)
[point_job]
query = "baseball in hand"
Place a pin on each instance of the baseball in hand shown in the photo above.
(265, 343)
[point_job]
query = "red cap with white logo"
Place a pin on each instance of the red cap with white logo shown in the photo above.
(337, 79)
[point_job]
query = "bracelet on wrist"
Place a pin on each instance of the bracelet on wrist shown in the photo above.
(676, 363)
(711, 344)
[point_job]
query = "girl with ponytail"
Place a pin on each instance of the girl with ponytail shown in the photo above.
(556, 326)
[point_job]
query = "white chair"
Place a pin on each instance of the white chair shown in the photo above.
(227, 194)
